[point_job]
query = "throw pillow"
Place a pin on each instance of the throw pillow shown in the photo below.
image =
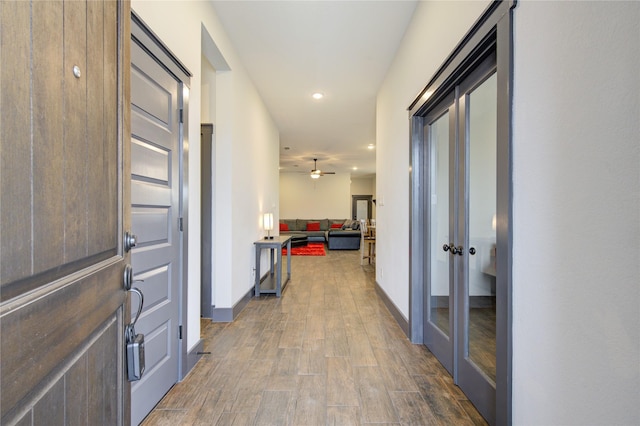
(284, 227)
(336, 226)
(313, 226)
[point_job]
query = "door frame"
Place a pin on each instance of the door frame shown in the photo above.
(207, 132)
(354, 205)
(493, 30)
(142, 35)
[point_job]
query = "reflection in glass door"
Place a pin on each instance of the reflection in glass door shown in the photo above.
(480, 320)
(439, 320)
(439, 226)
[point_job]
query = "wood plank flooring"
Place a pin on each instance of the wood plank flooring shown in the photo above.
(327, 353)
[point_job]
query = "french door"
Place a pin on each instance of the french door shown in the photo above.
(461, 226)
(460, 317)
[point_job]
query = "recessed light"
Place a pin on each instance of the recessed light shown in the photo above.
(371, 146)
(355, 168)
(317, 95)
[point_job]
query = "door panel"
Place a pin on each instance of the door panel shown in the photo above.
(155, 187)
(62, 212)
(476, 334)
(362, 209)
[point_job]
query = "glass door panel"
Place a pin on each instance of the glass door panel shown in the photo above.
(439, 226)
(481, 111)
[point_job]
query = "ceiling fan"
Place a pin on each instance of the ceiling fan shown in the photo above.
(316, 173)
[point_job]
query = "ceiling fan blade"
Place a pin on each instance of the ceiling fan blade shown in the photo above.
(315, 173)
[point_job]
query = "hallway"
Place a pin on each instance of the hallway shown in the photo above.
(327, 353)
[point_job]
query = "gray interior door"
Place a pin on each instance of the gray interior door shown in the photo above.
(460, 319)
(63, 211)
(155, 209)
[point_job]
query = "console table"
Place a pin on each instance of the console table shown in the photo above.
(273, 284)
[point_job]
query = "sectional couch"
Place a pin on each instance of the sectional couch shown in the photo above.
(337, 233)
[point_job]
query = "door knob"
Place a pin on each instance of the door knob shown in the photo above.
(450, 247)
(130, 241)
(472, 251)
(459, 250)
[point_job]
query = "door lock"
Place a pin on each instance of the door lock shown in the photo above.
(130, 241)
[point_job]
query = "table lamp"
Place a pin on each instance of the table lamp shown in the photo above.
(267, 221)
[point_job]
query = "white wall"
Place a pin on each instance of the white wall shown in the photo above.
(576, 161)
(304, 198)
(362, 186)
(208, 91)
(246, 185)
(434, 31)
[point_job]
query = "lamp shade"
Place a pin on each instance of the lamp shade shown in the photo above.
(267, 221)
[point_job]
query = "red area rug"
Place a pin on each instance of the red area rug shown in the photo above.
(311, 249)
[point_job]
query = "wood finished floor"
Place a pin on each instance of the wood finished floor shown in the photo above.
(327, 353)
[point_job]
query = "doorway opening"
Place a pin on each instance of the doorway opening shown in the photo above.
(361, 207)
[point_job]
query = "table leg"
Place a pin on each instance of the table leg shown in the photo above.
(257, 268)
(279, 273)
(289, 260)
(271, 259)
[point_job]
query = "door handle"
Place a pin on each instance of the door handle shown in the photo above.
(130, 241)
(128, 278)
(450, 247)
(472, 251)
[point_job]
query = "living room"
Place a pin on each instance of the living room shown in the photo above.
(330, 196)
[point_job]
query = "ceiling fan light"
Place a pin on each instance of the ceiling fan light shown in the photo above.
(315, 175)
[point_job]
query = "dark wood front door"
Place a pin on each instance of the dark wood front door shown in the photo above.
(64, 206)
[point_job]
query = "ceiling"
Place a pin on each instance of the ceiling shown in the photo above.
(293, 49)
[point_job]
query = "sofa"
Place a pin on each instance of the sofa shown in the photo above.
(338, 234)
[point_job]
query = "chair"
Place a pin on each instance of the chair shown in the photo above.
(367, 242)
